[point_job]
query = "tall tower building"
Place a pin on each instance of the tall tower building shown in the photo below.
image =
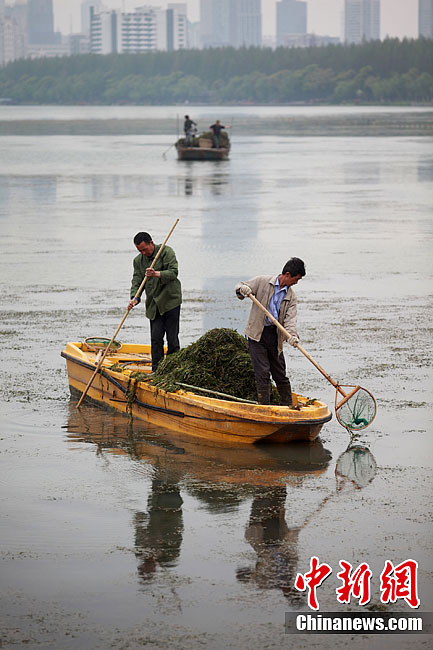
(103, 31)
(361, 20)
(291, 19)
(246, 22)
(40, 22)
(215, 27)
(12, 36)
(236, 23)
(85, 13)
(177, 26)
(425, 18)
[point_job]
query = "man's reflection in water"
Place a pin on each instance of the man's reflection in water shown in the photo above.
(274, 542)
(158, 533)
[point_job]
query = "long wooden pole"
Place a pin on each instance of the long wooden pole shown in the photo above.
(298, 345)
(137, 295)
(172, 145)
(214, 392)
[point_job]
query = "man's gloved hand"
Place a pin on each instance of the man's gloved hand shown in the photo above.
(293, 341)
(244, 290)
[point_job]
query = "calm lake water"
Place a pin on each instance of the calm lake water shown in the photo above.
(126, 536)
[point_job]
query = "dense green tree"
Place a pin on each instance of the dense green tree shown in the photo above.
(377, 71)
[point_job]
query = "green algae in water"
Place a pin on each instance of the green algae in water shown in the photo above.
(219, 361)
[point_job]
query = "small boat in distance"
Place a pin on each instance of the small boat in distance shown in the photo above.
(203, 149)
(183, 411)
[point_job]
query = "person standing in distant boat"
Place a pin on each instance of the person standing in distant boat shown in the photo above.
(265, 341)
(163, 294)
(189, 130)
(216, 130)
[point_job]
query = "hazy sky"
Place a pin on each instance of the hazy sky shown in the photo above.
(398, 17)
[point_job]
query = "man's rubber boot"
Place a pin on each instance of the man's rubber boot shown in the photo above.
(285, 391)
(264, 394)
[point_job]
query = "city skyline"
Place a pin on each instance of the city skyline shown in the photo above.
(399, 18)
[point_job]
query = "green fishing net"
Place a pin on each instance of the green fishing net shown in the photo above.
(100, 343)
(358, 411)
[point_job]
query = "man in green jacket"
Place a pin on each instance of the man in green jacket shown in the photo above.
(163, 294)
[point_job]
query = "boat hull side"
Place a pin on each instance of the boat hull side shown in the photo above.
(201, 153)
(174, 411)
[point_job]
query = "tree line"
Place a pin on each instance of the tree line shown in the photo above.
(377, 71)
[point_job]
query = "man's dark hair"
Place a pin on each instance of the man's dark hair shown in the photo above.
(142, 236)
(294, 266)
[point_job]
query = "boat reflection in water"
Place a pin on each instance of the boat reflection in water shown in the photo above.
(220, 477)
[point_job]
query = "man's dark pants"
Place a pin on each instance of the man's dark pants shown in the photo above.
(266, 361)
(168, 325)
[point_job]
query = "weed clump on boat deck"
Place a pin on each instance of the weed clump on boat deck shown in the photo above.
(207, 135)
(217, 361)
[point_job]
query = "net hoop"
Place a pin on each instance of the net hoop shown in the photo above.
(97, 343)
(358, 421)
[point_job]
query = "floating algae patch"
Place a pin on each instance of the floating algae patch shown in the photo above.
(217, 361)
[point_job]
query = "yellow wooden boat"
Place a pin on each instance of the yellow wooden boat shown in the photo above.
(205, 417)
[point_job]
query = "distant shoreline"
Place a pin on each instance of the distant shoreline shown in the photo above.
(395, 123)
(4, 101)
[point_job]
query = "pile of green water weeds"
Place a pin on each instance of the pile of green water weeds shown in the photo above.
(208, 135)
(224, 138)
(218, 361)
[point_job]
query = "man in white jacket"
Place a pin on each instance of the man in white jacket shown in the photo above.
(265, 341)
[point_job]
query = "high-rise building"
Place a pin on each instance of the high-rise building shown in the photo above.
(13, 31)
(12, 38)
(85, 13)
(103, 31)
(177, 26)
(246, 23)
(215, 16)
(291, 19)
(235, 23)
(361, 20)
(146, 29)
(40, 22)
(425, 18)
(19, 11)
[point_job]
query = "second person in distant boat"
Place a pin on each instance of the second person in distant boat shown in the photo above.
(216, 130)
